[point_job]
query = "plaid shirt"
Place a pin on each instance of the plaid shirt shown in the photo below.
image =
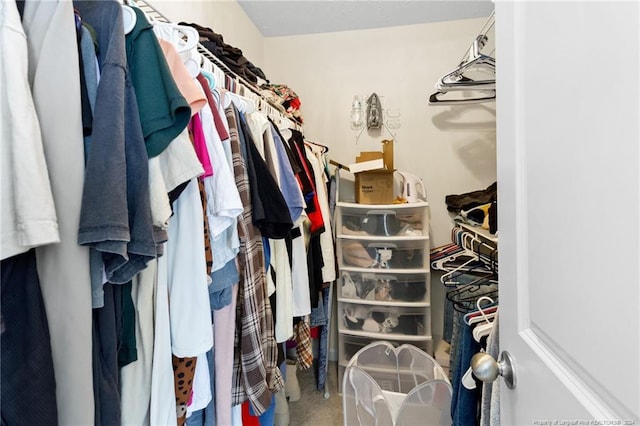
(256, 374)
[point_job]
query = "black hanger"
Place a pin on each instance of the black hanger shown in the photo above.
(464, 297)
(454, 97)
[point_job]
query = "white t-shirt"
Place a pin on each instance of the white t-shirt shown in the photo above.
(28, 212)
(163, 397)
(189, 308)
(136, 378)
(158, 194)
(179, 162)
(300, 273)
(284, 290)
(223, 200)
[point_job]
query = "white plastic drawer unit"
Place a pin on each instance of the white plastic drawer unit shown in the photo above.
(381, 321)
(384, 253)
(383, 286)
(363, 287)
(383, 221)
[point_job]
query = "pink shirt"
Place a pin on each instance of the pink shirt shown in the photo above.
(200, 145)
(186, 84)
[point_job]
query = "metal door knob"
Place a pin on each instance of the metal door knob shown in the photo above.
(487, 369)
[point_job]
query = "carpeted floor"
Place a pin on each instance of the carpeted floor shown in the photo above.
(313, 409)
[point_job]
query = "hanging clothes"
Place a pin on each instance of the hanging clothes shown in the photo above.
(28, 389)
(164, 112)
(28, 211)
(182, 230)
(63, 268)
(256, 374)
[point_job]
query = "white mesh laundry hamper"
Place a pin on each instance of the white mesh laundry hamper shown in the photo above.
(385, 386)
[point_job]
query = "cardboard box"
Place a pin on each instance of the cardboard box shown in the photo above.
(363, 166)
(387, 153)
(376, 186)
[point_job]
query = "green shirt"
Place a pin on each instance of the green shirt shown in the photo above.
(164, 112)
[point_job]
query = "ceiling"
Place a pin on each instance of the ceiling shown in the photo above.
(294, 17)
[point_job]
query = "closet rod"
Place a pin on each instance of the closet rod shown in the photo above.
(151, 11)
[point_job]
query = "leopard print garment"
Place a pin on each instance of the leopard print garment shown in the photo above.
(183, 371)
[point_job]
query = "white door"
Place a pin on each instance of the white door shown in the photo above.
(568, 172)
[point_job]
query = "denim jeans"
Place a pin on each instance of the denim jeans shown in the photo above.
(464, 402)
(323, 346)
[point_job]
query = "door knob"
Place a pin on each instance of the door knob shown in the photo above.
(488, 369)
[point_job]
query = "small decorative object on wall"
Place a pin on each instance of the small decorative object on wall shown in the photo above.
(371, 119)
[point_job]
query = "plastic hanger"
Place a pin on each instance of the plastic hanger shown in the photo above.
(250, 105)
(449, 98)
(473, 61)
(464, 297)
(446, 279)
(238, 101)
(184, 38)
(225, 98)
(129, 18)
(475, 316)
(461, 85)
(457, 80)
(458, 251)
(324, 148)
(483, 329)
(193, 62)
(211, 79)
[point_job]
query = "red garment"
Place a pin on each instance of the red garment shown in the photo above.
(314, 213)
(217, 119)
(247, 418)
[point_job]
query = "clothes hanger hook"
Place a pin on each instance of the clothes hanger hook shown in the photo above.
(480, 299)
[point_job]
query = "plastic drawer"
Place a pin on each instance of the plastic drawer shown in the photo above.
(380, 321)
(385, 222)
(379, 286)
(384, 254)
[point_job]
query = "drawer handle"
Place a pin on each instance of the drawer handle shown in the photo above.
(378, 277)
(381, 212)
(382, 246)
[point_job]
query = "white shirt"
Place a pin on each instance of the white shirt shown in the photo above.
(223, 201)
(189, 308)
(28, 212)
(179, 162)
(163, 398)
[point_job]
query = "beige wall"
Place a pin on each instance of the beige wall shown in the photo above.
(451, 148)
(225, 17)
